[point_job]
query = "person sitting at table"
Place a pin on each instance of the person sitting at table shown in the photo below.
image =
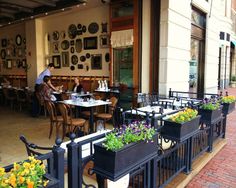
(45, 89)
(77, 86)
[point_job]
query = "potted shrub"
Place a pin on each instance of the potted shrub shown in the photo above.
(30, 174)
(210, 110)
(181, 125)
(228, 103)
(125, 148)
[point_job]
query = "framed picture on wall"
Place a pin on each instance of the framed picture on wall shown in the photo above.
(96, 61)
(56, 60)
(104, 41)
(9, 63)
(55, 47)
(90, 43)
(65, 59)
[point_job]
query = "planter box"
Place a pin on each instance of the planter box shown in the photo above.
(115, 164)
(228, 108)
(210, 116)
(53, 183)
(180, 131)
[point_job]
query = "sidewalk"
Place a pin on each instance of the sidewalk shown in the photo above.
(220, 172)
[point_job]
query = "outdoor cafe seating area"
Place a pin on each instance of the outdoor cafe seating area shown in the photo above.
(174, 154)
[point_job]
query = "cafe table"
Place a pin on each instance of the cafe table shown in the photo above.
(87, 104)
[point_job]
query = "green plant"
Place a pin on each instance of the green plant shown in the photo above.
(24, 175)
(184, 116)
(208, 104)
(228, 99)
(233, 78)
(134, 132)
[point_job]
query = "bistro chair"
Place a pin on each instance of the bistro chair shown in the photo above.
(10, 96)
(41, 104)
(21, 98)
(70, 123)
(110, 115)
(55, 120)
(33, 149)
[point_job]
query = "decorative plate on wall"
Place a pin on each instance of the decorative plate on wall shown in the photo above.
(72, 67)
(79, 26)
(78, 45)
(18, 40)
(93, 28)
(65, 44)
(82, 58)
(72, 50)
(87, 55)
(74, 59)
(55, 35)
(72, 31)
(84, 29)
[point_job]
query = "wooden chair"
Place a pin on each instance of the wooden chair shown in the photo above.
(41, 104)
(70, 123)
(54, 119)
(10, 95)
(21, 98)
(111, 109)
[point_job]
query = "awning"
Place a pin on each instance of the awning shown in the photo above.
(122, 38)
(233, 43)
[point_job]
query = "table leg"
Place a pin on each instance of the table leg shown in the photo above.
(91, 120)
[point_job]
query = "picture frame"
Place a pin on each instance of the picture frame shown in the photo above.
(65, 59)
(90, 43)
(96, 61)
(56, 60)
(4, 43)
(104, 41)
(9, 63)
(55, 47)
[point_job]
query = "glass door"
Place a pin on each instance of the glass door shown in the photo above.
(193, 65)
(123, 66)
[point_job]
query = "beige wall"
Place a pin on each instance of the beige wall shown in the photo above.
(85, 17)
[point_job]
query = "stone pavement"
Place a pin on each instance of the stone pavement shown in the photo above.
(220, 172)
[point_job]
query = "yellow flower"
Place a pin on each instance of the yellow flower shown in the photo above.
(21, 179)
(30, 184)
(45, 183)
(26, 165)
(2, 171)
(12, 180)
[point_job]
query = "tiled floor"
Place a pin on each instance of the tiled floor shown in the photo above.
(220, 172)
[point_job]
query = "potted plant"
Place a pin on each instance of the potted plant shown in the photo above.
(30, 174)
(210, 110)
(233, 81)
(181, 125)
(228, 103)
(125, 148)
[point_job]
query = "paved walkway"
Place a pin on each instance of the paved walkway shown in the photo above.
(220, 172)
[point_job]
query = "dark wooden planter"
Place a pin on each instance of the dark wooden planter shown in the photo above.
(210, 116)
(180, 131)
(228, 108)
(115, 164)
(53, 183)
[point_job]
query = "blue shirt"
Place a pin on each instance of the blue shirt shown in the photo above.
(46, 72)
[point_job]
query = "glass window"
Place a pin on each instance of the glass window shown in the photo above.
(123, 9)
(198, 19)
(123, 66)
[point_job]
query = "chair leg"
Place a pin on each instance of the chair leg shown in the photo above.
(51, 128)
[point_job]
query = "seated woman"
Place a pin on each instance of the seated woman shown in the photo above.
(45, 89)
(77, 86)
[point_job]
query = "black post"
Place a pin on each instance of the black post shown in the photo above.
(73, 163)
(170, 93)
(153, 170)
(210, 137)
(58, 154)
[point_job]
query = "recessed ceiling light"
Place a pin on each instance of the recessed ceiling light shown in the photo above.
(84, 4)
(31, 17)
(77, 6)
(22, 19)
(46, 13)
(9, 23)
(62, 9)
